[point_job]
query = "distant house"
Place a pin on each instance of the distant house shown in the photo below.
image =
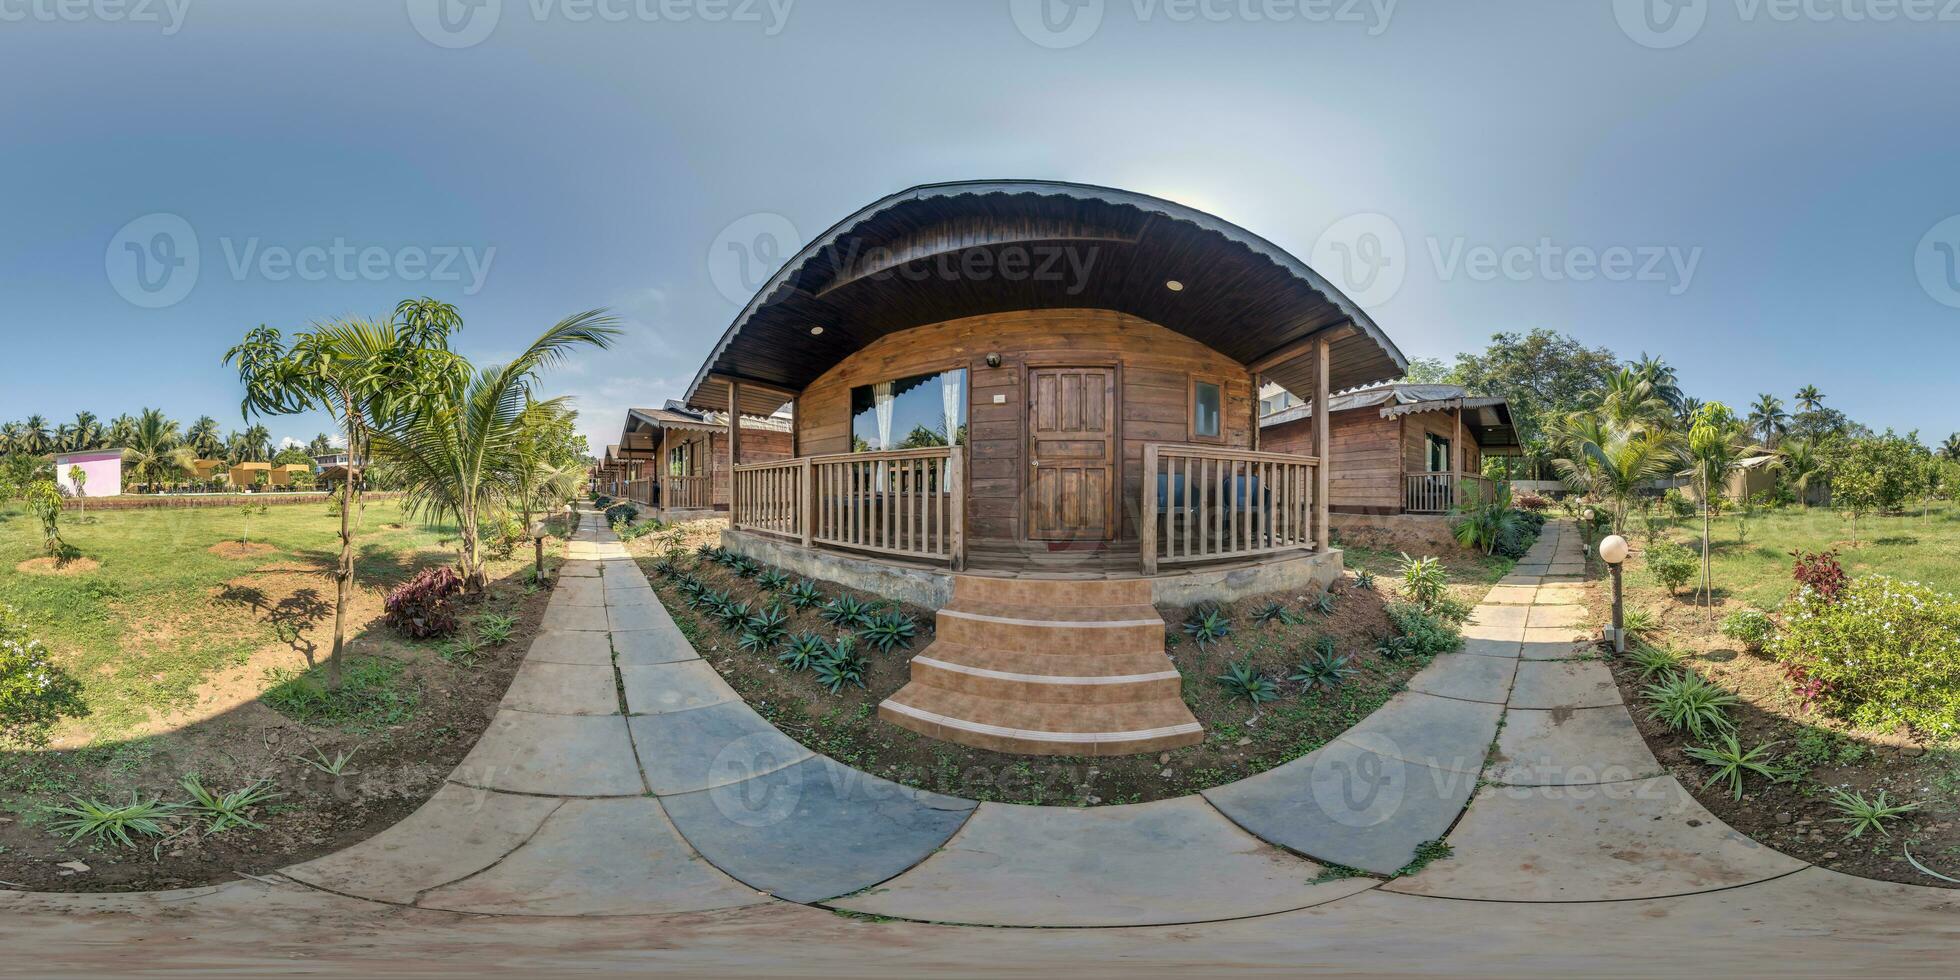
(101, 473)
(675, 459)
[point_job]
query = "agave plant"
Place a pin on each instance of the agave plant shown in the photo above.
(1241, 680)
(773, 580)
(890, 630)
(804, 595)
(1207, 625)
(840, 666)
(803, 651)
(762, 631)
(731, 613)
(1274, 612)
(1325, 669)
(847, 612)
(1731, 763)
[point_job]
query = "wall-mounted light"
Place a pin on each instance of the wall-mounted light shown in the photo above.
(1174, 286)
(816, 331)
(993, 360)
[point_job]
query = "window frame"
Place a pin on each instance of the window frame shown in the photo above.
(965, 402)
(1191, 410)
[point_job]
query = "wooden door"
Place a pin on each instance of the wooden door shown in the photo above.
(1071, 453)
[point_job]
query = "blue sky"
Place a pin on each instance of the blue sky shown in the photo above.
(1785, 176)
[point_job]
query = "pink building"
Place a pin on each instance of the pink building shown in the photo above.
(101, 469)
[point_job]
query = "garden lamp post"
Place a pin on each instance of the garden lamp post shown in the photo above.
(1613, 551)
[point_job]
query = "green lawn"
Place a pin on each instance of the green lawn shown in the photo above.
(144, 628)
(1752, 558)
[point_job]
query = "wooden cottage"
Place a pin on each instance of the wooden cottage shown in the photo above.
(1401, 448)
(1033, 407)
(675, 461)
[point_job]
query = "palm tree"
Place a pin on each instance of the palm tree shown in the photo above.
(361, 372)
(13, 438)
(1630, 401)
(1662, 377)
(457, 452)
(38, 438)
(1951, 448)
(203, 437)
(1611, 459)
(1717, 443)
(1768, 417)
(151, 453)
(1803, 464)
(85, 432)
(1809, 398)
(122, 431)
(64, 438)
(257, 442)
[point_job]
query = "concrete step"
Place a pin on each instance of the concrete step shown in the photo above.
(1051, 592)
(1044, 628)
(1042, 728)
(1047, 678)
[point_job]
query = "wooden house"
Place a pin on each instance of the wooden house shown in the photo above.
(674, 461)
(1032, 406)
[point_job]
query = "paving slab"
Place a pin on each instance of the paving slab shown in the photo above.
(701, 748)
(656, 688)
(1466, 676)
(563, 616)
(1440, 733)
(1563, 649)
(640, 616)
(1568, 617)
(598, 857)
(1605, 842)
(1531, 568)
(1561, 593)
(1492, 648)
(654, 646)
(457, 833)
(1519, 578)
(815, 830)
(553, 755)
(1570, 747)
(563, 689)
(571, 647)
(1516, 595)
(1493, 614)
(1550, 684)
(1347, 803)
(632, 597)
(578, 568)
(1567, 568)
(579, 592)
(1160, 863)
(1513, 633)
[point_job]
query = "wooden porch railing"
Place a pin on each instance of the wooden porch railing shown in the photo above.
(907, 503)
(1440, 493)
(688, 493)
(638, 491)
(1207, 503)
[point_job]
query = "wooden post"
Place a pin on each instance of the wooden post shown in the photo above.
(1456, 459)
(806, 501)
(734, 453)
(956, 476)
(1257, 386)
(1147, 533)
(795, 423)
(1323, 535)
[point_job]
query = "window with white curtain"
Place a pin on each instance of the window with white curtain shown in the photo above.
(910, 413)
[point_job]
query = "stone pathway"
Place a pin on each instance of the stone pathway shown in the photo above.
(626, 809)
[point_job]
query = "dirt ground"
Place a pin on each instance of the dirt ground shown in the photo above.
(1817, 753)
(1240, 741)
(417, 715)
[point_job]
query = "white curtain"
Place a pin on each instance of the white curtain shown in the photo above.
(881, 398)
(949, 399)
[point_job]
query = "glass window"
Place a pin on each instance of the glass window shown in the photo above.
(1439, 454)
(910, 413)
(1204, 410)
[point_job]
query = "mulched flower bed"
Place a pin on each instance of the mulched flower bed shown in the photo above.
(1240, 740)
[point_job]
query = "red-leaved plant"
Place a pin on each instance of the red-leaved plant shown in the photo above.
(1821, 573)
(419, 608)
(1807, 688)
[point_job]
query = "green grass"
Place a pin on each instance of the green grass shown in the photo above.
(142, 631)
(1755, 568)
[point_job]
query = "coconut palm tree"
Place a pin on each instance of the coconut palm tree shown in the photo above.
(204, 437)
(13, 438)
(1629, 401)
(1611, 459)
(1662, 377)
(122, 431)
(38, 437)
(1803, 465)
(1768, 418)
(84, 433)
(151, 452)
(1951, 448)
(1809, 399)
(457, 451)
(1716, 445)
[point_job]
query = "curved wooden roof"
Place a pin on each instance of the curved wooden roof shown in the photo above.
(944, 251)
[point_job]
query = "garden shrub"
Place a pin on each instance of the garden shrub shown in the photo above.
(1532, 503)
(1678, 503)
(373, 691)
(1750, 627)
(1425, 634)
(622, 512)
(1884, 653)
(503, 535)
(1674, 565)
(1818, 573)
(34, 693)
(420, 608)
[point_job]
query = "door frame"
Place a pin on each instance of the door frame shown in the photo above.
(1113, 528)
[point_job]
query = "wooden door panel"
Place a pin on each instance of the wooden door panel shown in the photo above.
(1072, 454)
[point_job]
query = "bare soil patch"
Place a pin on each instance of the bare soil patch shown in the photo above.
(58, 566)
(241, 549)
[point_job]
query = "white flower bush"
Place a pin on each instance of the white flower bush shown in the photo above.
(33, 691)
(1886, 653)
